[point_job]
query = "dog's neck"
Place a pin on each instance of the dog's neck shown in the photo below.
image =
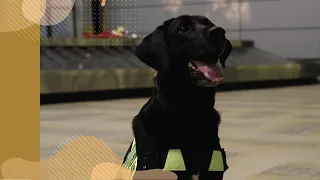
(174, 94)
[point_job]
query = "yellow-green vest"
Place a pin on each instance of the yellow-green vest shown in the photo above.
(175, 161)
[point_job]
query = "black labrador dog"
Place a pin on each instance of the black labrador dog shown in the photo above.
(180, 113)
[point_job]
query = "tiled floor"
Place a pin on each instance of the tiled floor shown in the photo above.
(269, 134)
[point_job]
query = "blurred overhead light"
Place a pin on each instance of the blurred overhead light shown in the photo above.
(172, 5)
(233, 9)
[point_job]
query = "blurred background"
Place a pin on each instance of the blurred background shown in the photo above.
(91, 82)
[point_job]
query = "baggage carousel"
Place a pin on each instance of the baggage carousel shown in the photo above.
(84, 65)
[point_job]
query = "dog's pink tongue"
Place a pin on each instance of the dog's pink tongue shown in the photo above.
(211, 72)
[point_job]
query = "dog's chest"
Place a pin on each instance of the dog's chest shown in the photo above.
(191, 120)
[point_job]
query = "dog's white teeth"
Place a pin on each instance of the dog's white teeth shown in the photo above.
(192, 66)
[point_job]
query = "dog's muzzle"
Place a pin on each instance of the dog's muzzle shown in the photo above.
(216, 33)
(217, 36)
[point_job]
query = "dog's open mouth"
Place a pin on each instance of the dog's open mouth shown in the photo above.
(212, 72)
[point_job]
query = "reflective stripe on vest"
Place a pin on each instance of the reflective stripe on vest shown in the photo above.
(216, 163)
(175, 162)
(132, 158)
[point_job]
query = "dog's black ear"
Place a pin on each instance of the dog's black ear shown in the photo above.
(225, 54)
(153, 49)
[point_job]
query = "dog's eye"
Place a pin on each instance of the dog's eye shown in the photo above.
(184, 30)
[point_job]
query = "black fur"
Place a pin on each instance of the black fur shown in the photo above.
(180, 113)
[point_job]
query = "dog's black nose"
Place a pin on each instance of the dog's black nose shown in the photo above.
(216, 32)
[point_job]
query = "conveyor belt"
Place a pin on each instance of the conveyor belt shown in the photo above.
(311, 61)
(106, 58)
(90, 68)
(88, 58)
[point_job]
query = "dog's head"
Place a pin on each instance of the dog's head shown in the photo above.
(188, 45)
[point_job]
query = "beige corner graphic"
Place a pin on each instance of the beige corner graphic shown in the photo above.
(16, 15)
(78, 158)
